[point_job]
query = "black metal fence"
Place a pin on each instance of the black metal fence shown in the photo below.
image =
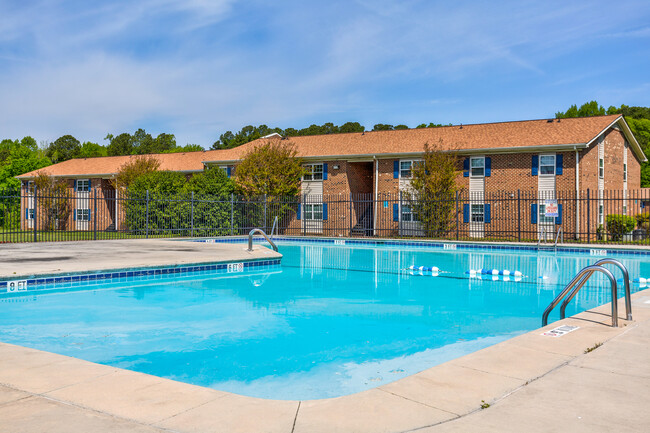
(588, 216)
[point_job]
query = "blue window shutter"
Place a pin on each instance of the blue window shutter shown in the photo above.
(75, 184)
(26, 213)
(228, 171)
(89, 184)
(487, 218)
(396, 169)
(558, 218)
(466, 167)
(74, 214)
(395, 212)
(488, 166)
(533, 213)
(299, 210)
(324, 211)
(325, 171)
(558, 164)
(535, 165)
(465, 213)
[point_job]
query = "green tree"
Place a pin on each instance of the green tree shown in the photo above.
(92, 150)
(211, 206)
(63, 148)
(433, 189)
(398, 127)
(54, 204)
(351, 127)
(383, 127)
(19, 157)
(123, 144)
(270, 168)
(186, 148)
(133, 169)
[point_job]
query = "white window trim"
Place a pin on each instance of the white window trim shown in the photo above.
(408, 210)
(30, 187)
(412, 164)
(471, 167)
(624, 172)
(311, 172)
(542, 218)
(601, 168)
(79, 181)
(80, 212)
(548, 155)
(480, 216)
(309, 212)
(30, 213)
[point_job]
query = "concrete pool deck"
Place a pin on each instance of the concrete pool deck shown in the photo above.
(33, 259)
(531, 382)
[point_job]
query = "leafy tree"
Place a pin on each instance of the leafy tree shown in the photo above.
(123, 144)
(54, 204)
(351, 127)
(211, 206)
(186, 148)
(63, 148)
(431, 125)
(133, 169)
(270, 168)
(433, 189)
(92, 150)
(382, 127)
(19, 157)
(398, 127)
(211, 182)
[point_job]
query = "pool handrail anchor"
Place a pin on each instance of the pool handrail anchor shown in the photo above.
(578, 282)
(260, 231)
(626, 282)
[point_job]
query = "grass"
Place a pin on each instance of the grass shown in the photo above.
(592, 348)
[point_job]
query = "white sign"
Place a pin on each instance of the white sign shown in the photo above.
(449, 246)
(235, 267)
(560, 331)
(339, 241)
(16, 286)
(597, 252)
(551, 208)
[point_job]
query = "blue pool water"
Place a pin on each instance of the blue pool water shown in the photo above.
(331, 320)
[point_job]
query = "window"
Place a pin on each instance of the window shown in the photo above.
(30, 214)
(477, 167)
(542, 215)
(83, 185)
(478, 215)
(405, 169)
(313, 172)
(313, 211)
(601, 219)
(408, 214)
(601, 168)
(624, 172)
(83, 214)
(547, 165)
(30, 187)
(624, 209)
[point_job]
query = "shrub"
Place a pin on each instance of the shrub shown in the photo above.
(642, 218)
(618, 225)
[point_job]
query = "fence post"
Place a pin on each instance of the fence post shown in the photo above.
(192, 216)
(232, 212)
(350, 231)
(35, 213)
(95, 214)
(588, 218)
(519, 215)
(457, 222)
(147, 225)
(302, 209)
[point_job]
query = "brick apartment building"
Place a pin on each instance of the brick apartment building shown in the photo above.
(546, 158)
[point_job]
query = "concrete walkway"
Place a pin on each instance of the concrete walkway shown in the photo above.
(532, 383)
(31, 259)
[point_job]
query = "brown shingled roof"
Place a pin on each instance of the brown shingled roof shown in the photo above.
(505, 136)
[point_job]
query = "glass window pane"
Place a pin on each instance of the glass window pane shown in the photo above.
(547, 169)
(478, 162)
(547, 160)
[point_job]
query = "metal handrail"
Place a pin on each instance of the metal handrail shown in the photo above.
(581, 278)
(275, 225)
(260, 231)
(626, 281)
(559, 232)
(542, 236)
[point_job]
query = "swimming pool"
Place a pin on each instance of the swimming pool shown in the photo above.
(330, 320)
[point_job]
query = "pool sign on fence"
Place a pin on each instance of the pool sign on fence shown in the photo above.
(550, 208)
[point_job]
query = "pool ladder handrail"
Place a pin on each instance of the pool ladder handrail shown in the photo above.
(626, 283)
(275, 225)
(542, 236)
(579, 281)
(260, 231)
(560, 232)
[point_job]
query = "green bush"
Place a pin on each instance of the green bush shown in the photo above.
(642, 218)
(618, 225)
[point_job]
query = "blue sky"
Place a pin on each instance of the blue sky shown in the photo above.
(196, 68)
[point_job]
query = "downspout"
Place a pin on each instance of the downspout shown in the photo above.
(577, 236)
(374, 214)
